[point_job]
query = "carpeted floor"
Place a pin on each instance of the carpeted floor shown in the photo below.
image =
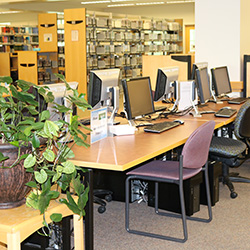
(229, 229)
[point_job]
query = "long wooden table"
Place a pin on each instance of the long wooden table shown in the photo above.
(120, 153)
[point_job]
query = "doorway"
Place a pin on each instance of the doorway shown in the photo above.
(189, 39)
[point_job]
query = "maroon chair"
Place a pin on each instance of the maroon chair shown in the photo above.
(193, 160)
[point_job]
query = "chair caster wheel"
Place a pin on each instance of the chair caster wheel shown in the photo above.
(101, 209)
(108, 197)
(233, 195)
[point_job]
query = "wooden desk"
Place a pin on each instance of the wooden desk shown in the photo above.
(120, 153)
(17, 224)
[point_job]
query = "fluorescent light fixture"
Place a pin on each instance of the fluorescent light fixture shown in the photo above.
(13, 1)
(93, 2)
(10, 12)
(120, 5)
(4, 24)
(181, 1)
(150, 3)
(121, 0)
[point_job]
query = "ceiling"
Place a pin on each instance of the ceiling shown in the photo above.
(59, 5)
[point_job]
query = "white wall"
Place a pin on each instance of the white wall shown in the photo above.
(217, 25)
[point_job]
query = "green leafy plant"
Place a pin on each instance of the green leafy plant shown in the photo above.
(24, 122)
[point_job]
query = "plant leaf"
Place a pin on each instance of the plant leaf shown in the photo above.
(69, 167)
(49, 155)
(32, 184)
(50, 129)
(56, 217)
(30, 161)
(41, 176)
(35, 141)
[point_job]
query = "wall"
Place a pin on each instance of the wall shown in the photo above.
(217, 25)
(18, 19)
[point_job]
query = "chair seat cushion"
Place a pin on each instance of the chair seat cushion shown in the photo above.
(226, 147)
(164, 169)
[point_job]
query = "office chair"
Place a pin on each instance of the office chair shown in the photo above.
(232, 152)
(192, 160)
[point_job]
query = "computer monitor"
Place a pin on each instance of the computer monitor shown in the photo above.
(221, 81)
(198, 65)
(138, 99)
(60, 93)
(103, 90)
(203, 85)
(164, 83)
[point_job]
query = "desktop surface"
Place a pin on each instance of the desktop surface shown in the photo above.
(120, 153)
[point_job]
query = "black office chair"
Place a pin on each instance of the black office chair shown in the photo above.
(233, 152)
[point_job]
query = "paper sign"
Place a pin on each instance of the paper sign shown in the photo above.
(99, 124)
(47, 37)
(74, 35)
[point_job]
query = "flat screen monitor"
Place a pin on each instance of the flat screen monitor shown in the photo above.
(138, 97)
(60, 93)
(221, 81)
(196, 66)
(100, 87)
(203, 85)
(165, 77)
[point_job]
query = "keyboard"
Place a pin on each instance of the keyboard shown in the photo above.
(224, 112)
(85, 121)
(160, 127)
(237, 100)
(160, 108)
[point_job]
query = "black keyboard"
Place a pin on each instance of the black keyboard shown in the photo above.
(85, 121)
(225, 112)
(237, 100)
(160, 127)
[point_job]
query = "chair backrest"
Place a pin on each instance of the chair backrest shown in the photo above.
(196, 149)
(242, 121)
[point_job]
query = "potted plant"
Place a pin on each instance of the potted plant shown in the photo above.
(40, 146)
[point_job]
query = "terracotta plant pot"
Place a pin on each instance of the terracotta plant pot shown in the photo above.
(12, 180)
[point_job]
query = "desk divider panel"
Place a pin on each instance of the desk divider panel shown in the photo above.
(5, 64)
(246, 76)
(150, 65)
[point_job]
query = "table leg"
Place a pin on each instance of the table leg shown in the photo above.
(89, 218)
(78, 232)
(13, 241)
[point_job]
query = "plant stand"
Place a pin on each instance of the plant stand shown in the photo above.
(18, 223)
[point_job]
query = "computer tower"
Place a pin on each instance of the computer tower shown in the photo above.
(169, 198)
(214, 173)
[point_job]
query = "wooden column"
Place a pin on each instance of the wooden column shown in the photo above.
(75, 47)
(47, 27)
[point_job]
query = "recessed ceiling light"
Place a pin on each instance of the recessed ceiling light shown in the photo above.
(121, 0)
(150, 3)
(121, 5)
(10, 12)
(93, 2)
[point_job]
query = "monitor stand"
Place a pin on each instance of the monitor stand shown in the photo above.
(115, 104)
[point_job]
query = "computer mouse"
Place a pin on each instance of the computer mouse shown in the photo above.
(226, 107)
(180, 121)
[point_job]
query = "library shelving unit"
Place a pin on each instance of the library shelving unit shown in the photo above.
(14, 39)
(120, 41)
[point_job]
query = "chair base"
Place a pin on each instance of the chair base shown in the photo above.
(100, 201)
